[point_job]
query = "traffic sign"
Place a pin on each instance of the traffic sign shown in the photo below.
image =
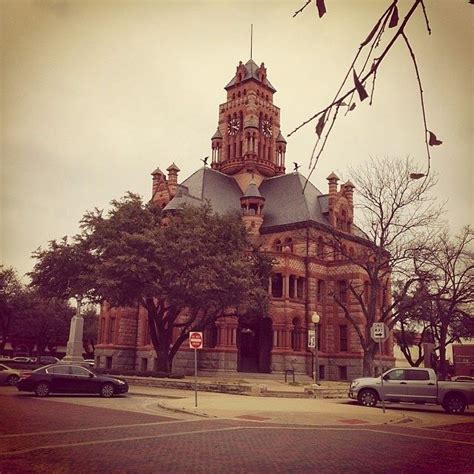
(311, 338)
(379, 332)
(195, 340)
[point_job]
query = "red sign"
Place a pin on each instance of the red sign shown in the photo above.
(195, 340)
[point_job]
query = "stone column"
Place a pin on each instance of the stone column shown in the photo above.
(74, 344)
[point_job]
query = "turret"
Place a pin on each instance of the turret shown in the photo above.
(216, 143)
(252, 203)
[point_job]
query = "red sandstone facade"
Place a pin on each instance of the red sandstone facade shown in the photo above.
(293, 221)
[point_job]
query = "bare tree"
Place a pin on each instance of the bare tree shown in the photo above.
(446, 270)
(393, 212)
(412, 329)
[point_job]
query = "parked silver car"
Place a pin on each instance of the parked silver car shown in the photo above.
(8, 376)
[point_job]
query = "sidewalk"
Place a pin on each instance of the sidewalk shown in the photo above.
(249, 384)
(309, 411)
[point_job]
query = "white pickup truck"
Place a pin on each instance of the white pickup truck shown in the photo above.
(413, 385)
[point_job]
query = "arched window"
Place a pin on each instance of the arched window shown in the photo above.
(277, 285)
(111, 331)
(343, 220)
(342, 291)
(278, 246)
(320, 290)
(320, 247)
(288, 244)
(296, 335)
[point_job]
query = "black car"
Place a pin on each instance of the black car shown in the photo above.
(66, 378)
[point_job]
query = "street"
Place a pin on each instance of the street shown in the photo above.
(82, 434)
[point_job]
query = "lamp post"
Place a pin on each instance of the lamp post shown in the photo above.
(315, 319)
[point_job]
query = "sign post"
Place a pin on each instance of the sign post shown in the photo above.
(195, 342)
(380, 333)
(312, 345)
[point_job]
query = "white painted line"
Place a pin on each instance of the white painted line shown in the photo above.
(111, 427)
(120, 440)
(234, 428)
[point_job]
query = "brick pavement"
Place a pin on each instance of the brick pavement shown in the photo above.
(97, 439)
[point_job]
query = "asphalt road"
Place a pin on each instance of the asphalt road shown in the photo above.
(131, 434)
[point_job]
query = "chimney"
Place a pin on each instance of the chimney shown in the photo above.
(349, 193)
(172, 179)
(333, 179)
(158, 176)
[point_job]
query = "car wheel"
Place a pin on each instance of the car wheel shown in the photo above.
(13, 379)
(367, 398)
(42, 389)
(107, 390)
(455, 404)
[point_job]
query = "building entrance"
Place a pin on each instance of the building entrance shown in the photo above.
(254, 343)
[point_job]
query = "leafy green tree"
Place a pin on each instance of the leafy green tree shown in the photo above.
(186, 270)
(91, 326)
(44, 321)
(11, 301)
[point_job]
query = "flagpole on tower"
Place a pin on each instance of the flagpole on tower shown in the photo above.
(251, 39)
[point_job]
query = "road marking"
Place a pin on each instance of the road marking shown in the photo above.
(406, 435)
(111, 427)
(105, 441)
(216, 430)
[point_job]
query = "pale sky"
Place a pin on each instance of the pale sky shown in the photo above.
(96, 94)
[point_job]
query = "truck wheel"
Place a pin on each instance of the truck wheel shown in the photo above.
(42, 389)
(454, 404)
(367, 398)
(107, 390)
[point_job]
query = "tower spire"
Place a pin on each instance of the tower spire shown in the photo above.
(251, 39)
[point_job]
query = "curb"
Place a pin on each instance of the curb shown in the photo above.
(398, 421)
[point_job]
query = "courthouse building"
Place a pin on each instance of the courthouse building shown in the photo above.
(295, 224)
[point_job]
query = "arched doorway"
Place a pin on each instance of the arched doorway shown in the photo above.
(254, 344)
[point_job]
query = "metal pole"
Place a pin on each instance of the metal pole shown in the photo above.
(195, 379)
(316, 349)
(381, 376)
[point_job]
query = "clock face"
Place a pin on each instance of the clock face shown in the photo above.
(233, 126)
(267, 128)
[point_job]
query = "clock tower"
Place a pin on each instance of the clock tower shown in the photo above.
(248, 140)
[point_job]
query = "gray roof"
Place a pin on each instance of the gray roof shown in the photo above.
(207, 184)
(251, 68)
(218, 134)
(180, 200)
(252, 191)
(281, 138)
(285, 202)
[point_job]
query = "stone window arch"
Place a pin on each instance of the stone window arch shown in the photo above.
(288, 244)
(277, 245)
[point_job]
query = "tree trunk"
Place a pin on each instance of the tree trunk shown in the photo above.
(368, 363)
(442, 369)
(162, 360)
(162, 350)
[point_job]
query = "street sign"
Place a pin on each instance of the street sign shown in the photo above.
(311, 338)
(379, 332)
(195, 340)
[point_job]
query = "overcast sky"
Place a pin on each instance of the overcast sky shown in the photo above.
(97, 94)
